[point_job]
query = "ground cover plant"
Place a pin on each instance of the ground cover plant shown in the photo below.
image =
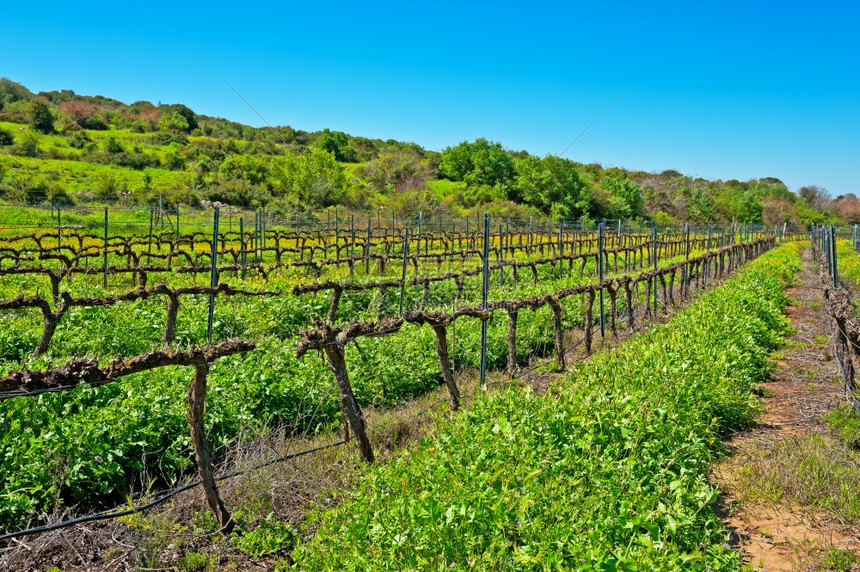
(608, 471)
(101, 443)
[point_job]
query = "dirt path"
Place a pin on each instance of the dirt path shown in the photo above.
(805, 385)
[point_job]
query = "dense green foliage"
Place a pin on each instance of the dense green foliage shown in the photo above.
(608, 472)
(101, 443)
(192, 157)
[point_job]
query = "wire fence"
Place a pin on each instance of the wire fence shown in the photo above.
(335, 220)
(844, 326)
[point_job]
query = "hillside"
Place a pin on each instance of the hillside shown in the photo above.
(59, 147)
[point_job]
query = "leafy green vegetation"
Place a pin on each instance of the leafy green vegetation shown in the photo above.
(606, 472)
(102, 443)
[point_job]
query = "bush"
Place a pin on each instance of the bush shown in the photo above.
(29, 190)
(40, 116)
(6, 137)
(57, 195)
(28, 146)
(95, 122)
(106, 190)
(167, 137)
(174, 161)
(112, 146)
(239, 193)
(138, 161)
(78, 139)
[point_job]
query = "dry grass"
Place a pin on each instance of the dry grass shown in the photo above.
(813, 470)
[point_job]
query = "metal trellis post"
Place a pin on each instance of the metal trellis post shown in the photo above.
(485, 287)
(213, 276)
(104, 279)
(403, 270)
(600, 237)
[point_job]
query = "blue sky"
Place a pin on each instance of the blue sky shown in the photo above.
(726, 90)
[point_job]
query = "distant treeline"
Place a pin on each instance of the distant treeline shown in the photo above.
(63, 148)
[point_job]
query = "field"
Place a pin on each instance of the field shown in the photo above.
(629, 433)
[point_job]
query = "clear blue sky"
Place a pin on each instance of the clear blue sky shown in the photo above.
(728, 90)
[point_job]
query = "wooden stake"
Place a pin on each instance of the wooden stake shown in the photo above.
(196, 406)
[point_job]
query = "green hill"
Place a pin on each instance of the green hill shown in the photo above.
(63, 148)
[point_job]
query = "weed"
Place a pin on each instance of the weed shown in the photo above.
(271, 536)
(840, 560)
(822, 340)
(195, 562)
(810, 556)
(812, 471)
(845, 422)
(152, 535)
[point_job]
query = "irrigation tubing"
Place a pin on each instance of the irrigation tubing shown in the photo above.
(164, 496)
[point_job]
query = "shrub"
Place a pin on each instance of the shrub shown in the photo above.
(40, 116)
(111, 145)
(168, 137)
(106, 190)
(78, 139)
(28, 146)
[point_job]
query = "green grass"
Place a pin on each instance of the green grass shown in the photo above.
(81, 176)
(444, 187)
(845, 423)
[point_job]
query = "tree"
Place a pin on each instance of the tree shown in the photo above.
(78, 109)
(777, 212)
(747, 207)
(12, 91)
(40, 116)
(187, 114)
(173, 121)
(398, 171)
(626, 200)
(848, 209)
(815, 196)
(336, 143)
(481, 162)
(554, 186)
(311, 180)
(771, 188)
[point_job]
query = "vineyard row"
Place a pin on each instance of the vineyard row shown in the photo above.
(332, 339)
